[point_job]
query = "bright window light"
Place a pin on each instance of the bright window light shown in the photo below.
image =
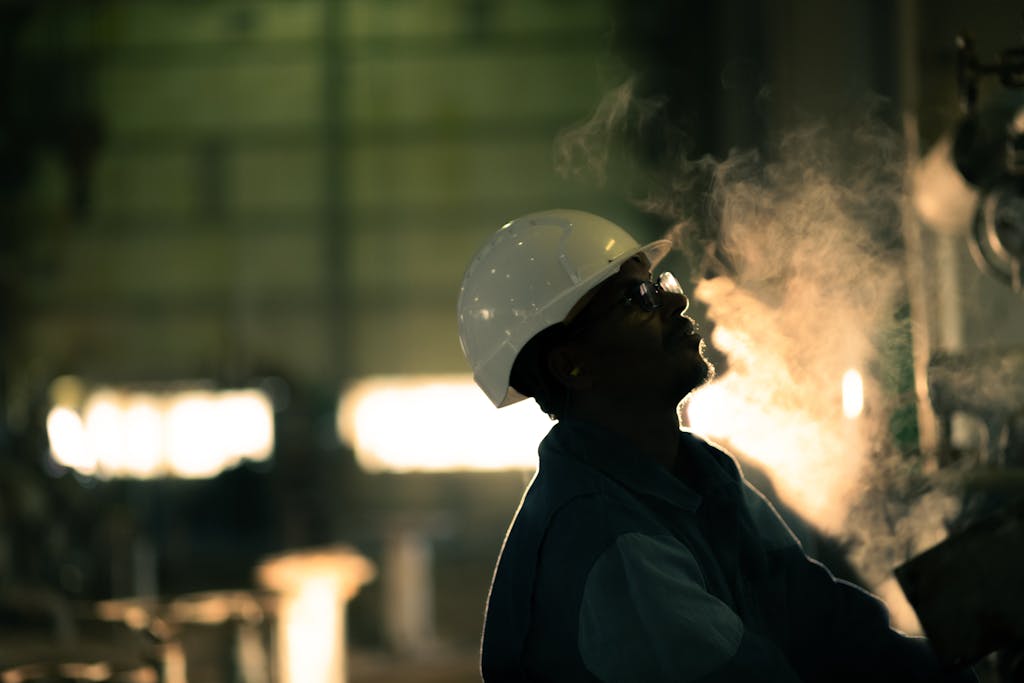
(67, 437)
(188, 434)
(248, 427)
(405, 423)
(142, 429)
(193, 441)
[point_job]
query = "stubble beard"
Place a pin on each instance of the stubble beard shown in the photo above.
(704, 372)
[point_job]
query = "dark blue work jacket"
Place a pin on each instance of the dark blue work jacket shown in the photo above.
(616, 569)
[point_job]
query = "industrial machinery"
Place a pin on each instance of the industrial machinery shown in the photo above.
(967, 591)
(989, 153)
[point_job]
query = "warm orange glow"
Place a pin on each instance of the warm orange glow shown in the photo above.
(190, 434)
(941, 196)
(853, 394)
(141, 429)
(787, 404)
(66, 433)
(813, 472)
(312, 626)
(901, 612)
(314, 587)
(216, 607)
(788, 423)
(436, 422)
(79, 671)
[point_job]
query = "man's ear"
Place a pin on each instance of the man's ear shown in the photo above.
(568, 365)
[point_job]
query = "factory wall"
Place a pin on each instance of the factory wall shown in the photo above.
(289, 191)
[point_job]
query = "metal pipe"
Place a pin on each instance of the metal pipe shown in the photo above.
(333, 226)
(917, 290)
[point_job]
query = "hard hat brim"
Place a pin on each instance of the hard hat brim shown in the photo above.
(656, 251)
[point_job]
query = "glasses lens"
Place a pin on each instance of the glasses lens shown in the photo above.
(669, 283)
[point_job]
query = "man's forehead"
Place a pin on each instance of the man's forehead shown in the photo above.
(636, 268)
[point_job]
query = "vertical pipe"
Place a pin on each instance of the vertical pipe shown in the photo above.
(174, 665)
(950, 325)
(333, 226)
(409, 591)
(917, 290)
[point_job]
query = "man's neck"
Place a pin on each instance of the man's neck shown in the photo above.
(655, 432)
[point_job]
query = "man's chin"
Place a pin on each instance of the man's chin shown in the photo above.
(710, 372)
(702, 374)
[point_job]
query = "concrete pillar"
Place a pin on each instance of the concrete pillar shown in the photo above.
(313, 587)
(409, 592)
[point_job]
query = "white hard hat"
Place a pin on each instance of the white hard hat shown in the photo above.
(527, 278)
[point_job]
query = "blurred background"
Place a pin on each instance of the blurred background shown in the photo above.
(238, 440)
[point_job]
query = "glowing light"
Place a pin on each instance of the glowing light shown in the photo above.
(813, 472)
(314, 587)
(192, 435)
(941, 196)
(853, 394)
(248, 427)
(142, 431)
(102, 430)
(66, 433)
(189, 434)
(436, 422)
(311, 628)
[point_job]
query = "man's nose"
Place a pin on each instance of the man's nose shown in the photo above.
(674, 303)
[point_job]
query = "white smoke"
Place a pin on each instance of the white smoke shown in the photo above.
(809, 281)
(813, 280)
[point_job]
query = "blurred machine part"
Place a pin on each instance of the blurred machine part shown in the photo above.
(98, 671)
(200, 636)
(967, 590)
(291, 630)
(989, 153)
(972, 182)
(45, 637)
(998, 235)
(988, 385)
(407, 579)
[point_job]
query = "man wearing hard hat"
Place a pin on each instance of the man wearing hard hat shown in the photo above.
(639, 552)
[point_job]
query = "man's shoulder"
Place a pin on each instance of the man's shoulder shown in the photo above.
(566, 487)
(574, 506)
(712, 451)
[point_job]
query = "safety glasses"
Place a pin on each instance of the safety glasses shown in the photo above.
(647, 295)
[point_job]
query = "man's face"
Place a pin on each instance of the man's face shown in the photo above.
(653, 355)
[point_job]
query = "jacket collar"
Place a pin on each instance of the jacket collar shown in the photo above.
(620, 460)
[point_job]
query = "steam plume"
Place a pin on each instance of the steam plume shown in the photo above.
(802, 256)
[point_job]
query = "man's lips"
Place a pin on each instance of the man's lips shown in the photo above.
(687, 333)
